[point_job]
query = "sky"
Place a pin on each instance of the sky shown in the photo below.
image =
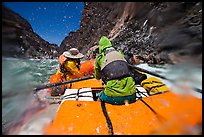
(50, 20)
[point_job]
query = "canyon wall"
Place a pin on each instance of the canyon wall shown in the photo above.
(20, 41)
(157, 32)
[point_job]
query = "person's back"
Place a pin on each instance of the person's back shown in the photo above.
(112, 68)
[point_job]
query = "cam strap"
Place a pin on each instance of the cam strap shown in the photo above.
(108, 121)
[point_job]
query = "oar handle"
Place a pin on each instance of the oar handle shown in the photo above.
(49, 85)
(157, 75)
(149, 72)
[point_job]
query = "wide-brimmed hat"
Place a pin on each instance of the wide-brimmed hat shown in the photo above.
(73, 53)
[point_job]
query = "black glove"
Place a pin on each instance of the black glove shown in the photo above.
(137, 76)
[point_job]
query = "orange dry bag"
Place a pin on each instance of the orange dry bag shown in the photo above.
(58, 90)
(87, 67)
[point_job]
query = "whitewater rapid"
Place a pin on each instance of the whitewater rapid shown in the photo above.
(21, 76)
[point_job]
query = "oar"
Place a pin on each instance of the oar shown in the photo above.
(49, 85)
(157, 75)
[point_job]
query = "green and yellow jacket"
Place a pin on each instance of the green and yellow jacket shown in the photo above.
(109, 66)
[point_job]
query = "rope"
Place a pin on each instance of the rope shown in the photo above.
(60, 98)
(108, 121)
(160, 117)
(78, 97)
(139, 92)
(148, 106)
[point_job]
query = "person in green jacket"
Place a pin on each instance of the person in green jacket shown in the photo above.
(112, 68)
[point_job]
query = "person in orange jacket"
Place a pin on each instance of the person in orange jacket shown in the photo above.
(69, 68)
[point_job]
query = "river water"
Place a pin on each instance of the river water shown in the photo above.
(20, 77)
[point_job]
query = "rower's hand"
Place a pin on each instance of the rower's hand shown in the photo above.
(134, 60)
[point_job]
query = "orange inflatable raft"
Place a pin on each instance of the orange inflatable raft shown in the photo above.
(166, 113)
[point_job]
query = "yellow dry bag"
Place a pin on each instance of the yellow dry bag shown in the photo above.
(154, 86)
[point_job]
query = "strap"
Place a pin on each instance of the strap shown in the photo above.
(77, 94)
(108, 121)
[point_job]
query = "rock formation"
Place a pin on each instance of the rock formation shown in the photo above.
(20, 41)
(157, 32)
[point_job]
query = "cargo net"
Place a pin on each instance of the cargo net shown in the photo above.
(81, 94)
(90, 94)
(141, 92)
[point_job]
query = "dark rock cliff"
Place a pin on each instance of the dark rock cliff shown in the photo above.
(157, 32)
(20, 41)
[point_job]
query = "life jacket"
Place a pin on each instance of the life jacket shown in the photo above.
(114, 66)
(154, 86)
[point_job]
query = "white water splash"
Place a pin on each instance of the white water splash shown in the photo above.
(30, 73)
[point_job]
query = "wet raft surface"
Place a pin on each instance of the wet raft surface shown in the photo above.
(176, 114)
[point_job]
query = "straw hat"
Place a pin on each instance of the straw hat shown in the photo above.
(73, 53)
